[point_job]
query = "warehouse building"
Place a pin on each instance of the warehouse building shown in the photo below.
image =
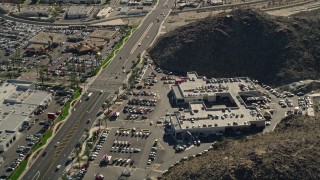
(78, 12)
(215, 106)
(17, 109)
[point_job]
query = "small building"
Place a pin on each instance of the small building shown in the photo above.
(134, 12)
(105, 12)
(37, 49)
(215, 2)
(147, 3)
(82, 49)
(124, 10)
(124, 1)
(78, 12)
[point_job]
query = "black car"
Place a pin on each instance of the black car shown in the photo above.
(44, 154)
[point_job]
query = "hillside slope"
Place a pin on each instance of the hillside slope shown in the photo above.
(290, 152)
(244, 42)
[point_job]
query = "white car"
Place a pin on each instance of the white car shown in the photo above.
(117, 132)
(149, 161)
(57, 144)
(112, 149)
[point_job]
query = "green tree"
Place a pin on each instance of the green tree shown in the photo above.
(78, 151)
(41, 75)
(124, 86)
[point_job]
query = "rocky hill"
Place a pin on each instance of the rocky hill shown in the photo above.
(244, 42)
(290, 152)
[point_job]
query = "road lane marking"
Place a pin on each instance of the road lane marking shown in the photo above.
(143, 35)
(37, 174)
(94, 104)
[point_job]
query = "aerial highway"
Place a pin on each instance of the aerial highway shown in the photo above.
(109, 80)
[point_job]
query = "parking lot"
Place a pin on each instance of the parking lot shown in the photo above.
(129, 150)
(30, 135)
(53, 54)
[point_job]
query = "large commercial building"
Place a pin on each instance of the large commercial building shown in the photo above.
(17, 109)
(215, 106)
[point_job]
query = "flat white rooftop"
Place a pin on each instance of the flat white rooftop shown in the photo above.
(199, 86)
(217, 117)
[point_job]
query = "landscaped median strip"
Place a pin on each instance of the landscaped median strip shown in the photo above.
(116, 50)
(19, 170)
(66, 108)
(22, 166)
(43, 141)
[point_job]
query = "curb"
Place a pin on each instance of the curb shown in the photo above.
(54, 131)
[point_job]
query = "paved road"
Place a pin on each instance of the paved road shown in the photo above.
(109, 80)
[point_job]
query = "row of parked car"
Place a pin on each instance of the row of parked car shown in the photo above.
(153, 152)
(23, 151)
(143, 102)
(121, 162)
(223, 80)
(98, 146)
(142, 93)
(137, 110)
(124, 149)
(14, 35)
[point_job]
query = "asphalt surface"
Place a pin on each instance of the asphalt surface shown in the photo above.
(68, 135)
(11, 155)
(109, 80)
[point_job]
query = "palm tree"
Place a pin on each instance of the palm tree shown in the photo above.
(41, 73)
(19, 6)
(124, 86)
(50, 59)
(78, 151)
(51, 39)
(99, 121)
(117, 93)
